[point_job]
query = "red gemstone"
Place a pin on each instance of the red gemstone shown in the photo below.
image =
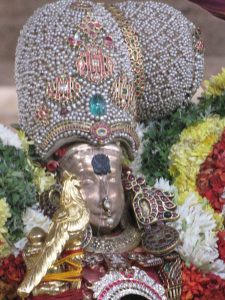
(71, 41)
(131, 177)
(137, 188)
(109, 41)
(140, 180)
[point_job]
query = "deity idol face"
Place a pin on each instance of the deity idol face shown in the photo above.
(99, 171)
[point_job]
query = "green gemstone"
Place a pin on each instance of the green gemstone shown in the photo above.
(97, 106)
(167, 268)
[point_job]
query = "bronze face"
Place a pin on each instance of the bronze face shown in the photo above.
(103, 193)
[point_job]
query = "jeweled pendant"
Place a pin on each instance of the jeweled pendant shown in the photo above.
(97, 105)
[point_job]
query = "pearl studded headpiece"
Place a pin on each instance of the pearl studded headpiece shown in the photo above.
(87, 72)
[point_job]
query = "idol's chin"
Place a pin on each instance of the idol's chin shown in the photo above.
(102, 228)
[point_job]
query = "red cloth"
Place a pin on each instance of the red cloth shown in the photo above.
(69, 295)
(216, 7)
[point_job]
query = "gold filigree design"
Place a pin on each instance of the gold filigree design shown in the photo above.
(63, 89)
(171, 276)
(123, 242)
(123, 93)
(94, 65)
(86, 127)
(134, 49)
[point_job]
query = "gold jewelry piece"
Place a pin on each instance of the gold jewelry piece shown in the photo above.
(127, 240)
(69, 222)
(134, 49)
(160, 239)
(171, 276)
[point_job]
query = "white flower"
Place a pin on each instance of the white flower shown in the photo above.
(9, 138)
(18, 246)
(197, 229)
(31, 218)
(164, 185)
(34, 218)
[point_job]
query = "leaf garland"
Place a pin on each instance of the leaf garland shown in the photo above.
(162, 134)
(16, 185)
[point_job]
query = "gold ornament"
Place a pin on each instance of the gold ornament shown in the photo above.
(69, 222)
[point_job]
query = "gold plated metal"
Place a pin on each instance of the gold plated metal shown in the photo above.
(69, 222)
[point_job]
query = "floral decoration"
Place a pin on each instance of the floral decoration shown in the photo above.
(189, 153)
(197, 285)
(216, 85)
(211, 178)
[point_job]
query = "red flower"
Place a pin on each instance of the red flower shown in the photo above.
(52, 165)
(221, 244)
(211, 179)
(198, 286)
(193, 282)
(12, 269)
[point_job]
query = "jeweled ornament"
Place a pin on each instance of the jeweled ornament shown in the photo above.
(43, 114)
(75, 41)
(94, 65)
(63, 89)
(97, 105)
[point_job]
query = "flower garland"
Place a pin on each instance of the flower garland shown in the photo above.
(189, 153)
(161, 135)
(197, 168)
(197, 285)
(16, 166)
(216, 85)
(211, 178)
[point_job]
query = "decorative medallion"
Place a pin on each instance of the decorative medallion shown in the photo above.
(115, 285)
(160, 239)
(43, 114)
(123, 94)
(100, 131)
(150, 205)
(94, 65)
(90, 27)
(97, 105)
(63, 89)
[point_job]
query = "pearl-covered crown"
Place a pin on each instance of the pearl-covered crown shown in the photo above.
(87, 72)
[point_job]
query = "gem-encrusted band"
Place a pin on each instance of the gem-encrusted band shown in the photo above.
(134, 49)
(98, 133)
(115, 285)
(125, 241)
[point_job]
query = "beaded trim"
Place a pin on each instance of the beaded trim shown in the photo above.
(100, 133)
(115, 285)
(134, 50)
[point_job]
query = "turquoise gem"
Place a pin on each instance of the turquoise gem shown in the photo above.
(97, 106)
(167, 268)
